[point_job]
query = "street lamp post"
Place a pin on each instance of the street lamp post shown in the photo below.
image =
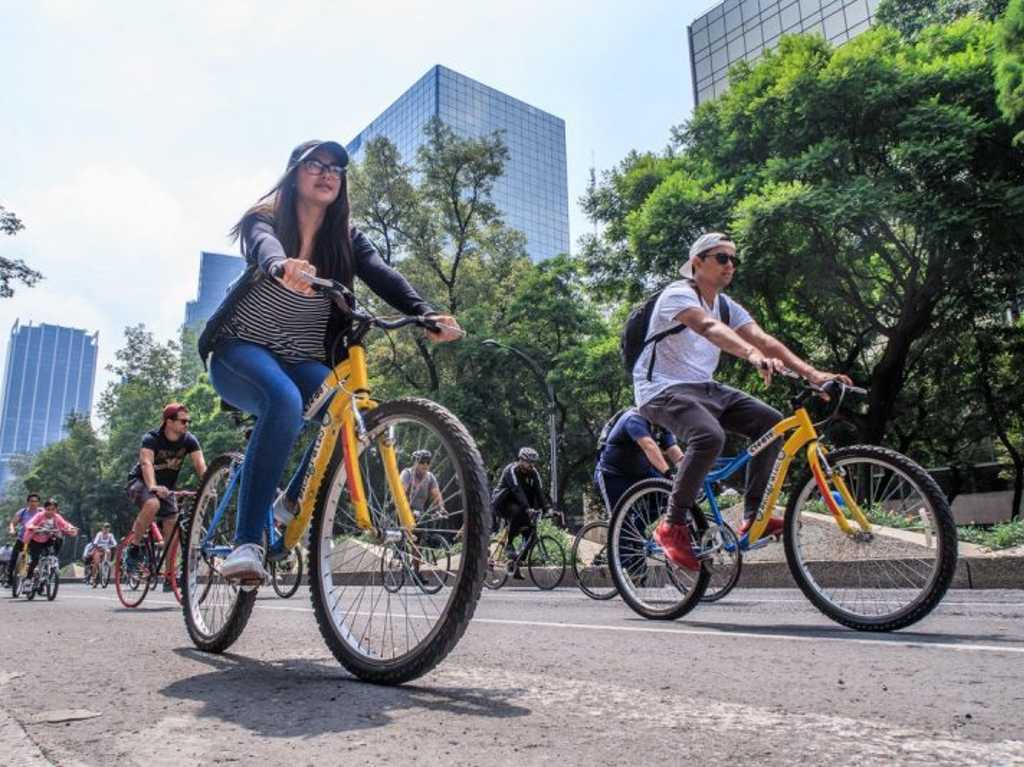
(552, 408)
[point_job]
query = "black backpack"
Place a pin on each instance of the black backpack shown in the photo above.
(634, 332)
(606, 430)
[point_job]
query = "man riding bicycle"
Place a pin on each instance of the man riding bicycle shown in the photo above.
(519, 489)
(635, 449)
(100, 548)
(151, 481)
(43, 533)
(16, 527)
(674, 387)
(421, 486)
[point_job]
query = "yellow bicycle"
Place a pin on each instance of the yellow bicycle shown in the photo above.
(869, 536)
(353, 500)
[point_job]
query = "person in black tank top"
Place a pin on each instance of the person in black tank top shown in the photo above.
(270, 344)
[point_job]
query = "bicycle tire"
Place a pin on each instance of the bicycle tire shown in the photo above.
(105, 574)
(349, 643)
(658, 591)
(875, 461)
(281, 589)
(437, 554)
(496, 570)
(725, 564)
(170, 573)
(545, 575)
(596, 569)
(32, 591)
(17, 578)
(392, 569)
(137, 586)
(52, 584)
(199, 583)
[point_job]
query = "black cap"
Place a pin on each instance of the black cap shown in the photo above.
(306, 148)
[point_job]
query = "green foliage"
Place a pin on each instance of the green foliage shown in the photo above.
(910, 17)
(14, 270)
(1010, 63)
(1006, 535)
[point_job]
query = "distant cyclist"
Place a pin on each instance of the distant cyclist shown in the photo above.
(16, 527)
(152, 480)
(634, 449)
(102, 544)
(421, 487)
(519, 489)
(43, 533)
(674, 386)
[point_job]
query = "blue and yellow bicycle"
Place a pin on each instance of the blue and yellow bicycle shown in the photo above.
(869, 537)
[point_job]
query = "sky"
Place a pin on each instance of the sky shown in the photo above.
(133, 135)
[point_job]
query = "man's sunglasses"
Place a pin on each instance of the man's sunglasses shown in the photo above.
(186, 421)
(723, 259)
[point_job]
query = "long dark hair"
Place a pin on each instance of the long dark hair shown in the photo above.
(332, 250)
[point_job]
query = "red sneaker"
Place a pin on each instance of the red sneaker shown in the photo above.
(675, 542)
(774, 528)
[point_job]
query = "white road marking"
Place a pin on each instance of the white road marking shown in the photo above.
(854, 639)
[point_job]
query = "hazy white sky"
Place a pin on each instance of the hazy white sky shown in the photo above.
(132, 135)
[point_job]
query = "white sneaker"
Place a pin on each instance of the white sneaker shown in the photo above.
(245, 563)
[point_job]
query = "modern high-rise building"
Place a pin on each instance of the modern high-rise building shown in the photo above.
(533, 194)
(738, 30)
(216, 273)
(50, 373)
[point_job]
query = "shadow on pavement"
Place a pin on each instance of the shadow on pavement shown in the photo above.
(840, 632)
(302, 697)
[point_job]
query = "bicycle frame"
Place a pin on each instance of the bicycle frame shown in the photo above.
(804, 437)
(346, 391)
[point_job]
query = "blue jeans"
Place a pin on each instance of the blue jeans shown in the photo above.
(254, 379)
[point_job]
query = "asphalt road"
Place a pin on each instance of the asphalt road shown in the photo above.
(539, 678)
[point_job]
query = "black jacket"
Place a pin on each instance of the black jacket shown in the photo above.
(263, 250)
(527, 491)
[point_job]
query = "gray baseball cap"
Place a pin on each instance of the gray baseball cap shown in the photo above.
(703, 243)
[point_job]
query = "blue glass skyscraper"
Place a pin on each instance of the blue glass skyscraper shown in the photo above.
(50, 373)
(533, 194)
(216, 272)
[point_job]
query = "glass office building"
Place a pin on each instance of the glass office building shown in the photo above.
(50, 373)
(533, 194)
(738, 30)
(216, 273)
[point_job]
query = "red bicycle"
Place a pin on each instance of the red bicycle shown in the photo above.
(158, 560)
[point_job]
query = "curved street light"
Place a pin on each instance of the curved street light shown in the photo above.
(552, 407)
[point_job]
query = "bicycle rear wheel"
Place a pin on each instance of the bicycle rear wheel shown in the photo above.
(288, 568)
(131, 584)
(216, 610)
(590, 562)
(386, 637)
(881, 580)
(650, 584)
(497, 565)
(546, 563)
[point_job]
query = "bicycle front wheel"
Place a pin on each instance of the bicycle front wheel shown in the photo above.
(649, 583)
(216, 609)
(105, 574)
(52, 583)
(884, 579)
(546, 563)
(386, 637)
(725, 560)
(590, 562)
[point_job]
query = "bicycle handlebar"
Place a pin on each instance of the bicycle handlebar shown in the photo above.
(346, 301)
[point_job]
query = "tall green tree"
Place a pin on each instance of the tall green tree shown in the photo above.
(910, 17)
(1010, 63)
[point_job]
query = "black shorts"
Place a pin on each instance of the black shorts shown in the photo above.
(138, 493)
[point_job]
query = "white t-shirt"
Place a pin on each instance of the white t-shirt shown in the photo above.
(684, 357)
(107, 541)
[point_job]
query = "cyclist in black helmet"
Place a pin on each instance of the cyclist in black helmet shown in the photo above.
(519, 489)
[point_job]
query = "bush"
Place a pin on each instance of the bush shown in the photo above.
(1002, 536)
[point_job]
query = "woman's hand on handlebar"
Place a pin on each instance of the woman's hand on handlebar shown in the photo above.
(448, 328)
(294, 273)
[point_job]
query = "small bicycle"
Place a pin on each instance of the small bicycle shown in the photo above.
(353, 497)
(590, 561)
(868, 535)
(102, 577)
(45, 579)
(543, 556)
(159, 559)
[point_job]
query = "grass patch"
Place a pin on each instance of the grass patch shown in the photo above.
(1005, 535)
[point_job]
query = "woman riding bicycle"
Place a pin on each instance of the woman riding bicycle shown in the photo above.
(269, 344)
(102, 545)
